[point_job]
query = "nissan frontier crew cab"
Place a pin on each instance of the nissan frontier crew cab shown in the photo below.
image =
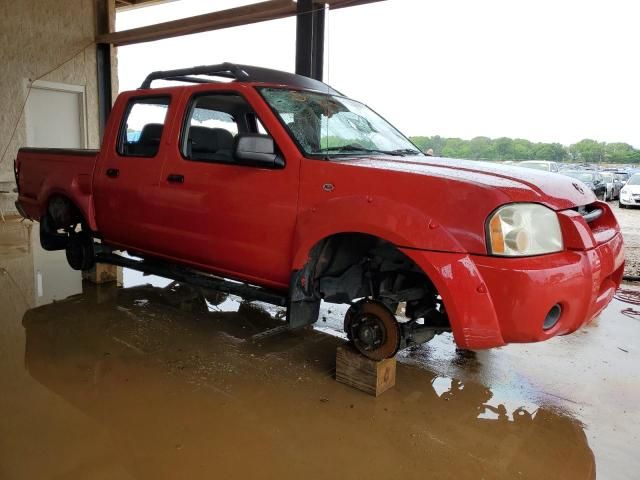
(279, 188)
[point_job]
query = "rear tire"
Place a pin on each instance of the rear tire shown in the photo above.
(80, 252)
(50, 239)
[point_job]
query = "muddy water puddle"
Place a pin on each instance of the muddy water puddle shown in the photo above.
(629, 296)
(143, 381)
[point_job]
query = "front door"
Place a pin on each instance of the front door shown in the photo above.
(236, 220)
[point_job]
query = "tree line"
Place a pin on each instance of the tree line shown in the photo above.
(500, 149)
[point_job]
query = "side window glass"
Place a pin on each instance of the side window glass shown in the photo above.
(142, 128)
(213, 123)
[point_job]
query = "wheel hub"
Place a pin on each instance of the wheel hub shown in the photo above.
(369, 331)
(373, 329)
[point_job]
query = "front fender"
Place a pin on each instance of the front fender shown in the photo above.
(469, 306)
(397, 223)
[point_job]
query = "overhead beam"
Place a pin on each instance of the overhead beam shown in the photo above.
(128, 4)
(233, 17)
(335, 4)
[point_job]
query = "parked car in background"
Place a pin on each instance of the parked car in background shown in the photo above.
(613, 186)
(592, 180)
(543, 165)
(630, 193)
(622, 177)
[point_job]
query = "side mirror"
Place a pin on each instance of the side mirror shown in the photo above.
(256, 150)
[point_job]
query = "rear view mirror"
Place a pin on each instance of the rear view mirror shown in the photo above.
(256, 150)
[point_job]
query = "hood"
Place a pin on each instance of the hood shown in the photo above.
(519, 184)
(631, 188)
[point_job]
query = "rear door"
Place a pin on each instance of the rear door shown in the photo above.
(233, 219)
(127, 178)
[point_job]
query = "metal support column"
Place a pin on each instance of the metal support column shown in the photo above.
(310, 39)
(105, 95)
(104, 20)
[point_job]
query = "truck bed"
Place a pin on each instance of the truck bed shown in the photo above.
(44, 172)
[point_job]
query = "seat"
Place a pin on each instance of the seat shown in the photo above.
(224, 140)
(210, 144)
(202, 143)
(149, 141)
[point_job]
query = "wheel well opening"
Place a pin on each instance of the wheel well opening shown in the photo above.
(64, 214)
(60, 219)
(350, 266)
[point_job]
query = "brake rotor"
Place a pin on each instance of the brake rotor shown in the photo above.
(373, 329)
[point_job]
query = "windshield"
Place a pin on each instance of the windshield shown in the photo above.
(634, 180)
(582, 176)
(535, 165)
(608, 177)
(330, 125)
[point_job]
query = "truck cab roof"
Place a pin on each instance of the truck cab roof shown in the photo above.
(225, 72)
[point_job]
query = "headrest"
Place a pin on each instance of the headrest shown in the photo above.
(210, 140)
(151, 133)
(224, 138)
(202, 139)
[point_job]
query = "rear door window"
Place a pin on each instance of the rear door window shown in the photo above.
(142, 127)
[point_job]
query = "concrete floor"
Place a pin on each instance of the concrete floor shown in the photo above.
(106, 383)
(629, 220)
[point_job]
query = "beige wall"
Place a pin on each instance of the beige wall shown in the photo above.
(37, 36)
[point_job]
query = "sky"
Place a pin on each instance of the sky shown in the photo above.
(543, 70)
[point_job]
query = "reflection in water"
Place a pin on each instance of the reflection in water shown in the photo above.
(48, 279)
(173, 387)
(630, 296)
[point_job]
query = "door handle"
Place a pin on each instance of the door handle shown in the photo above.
(113, 172)
(175, 178)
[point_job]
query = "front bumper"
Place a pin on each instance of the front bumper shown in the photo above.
(630, 200)
(491, 301)
(582, 283)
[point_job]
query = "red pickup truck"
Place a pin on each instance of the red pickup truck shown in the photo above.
(278, 184)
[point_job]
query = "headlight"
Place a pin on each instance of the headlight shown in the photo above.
(522, 229)
(625, 193)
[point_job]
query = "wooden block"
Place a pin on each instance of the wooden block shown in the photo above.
(100, 293)
(356, 370)
(103, 273)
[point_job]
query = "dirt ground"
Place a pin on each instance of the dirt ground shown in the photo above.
(629, 220)
(106, 382)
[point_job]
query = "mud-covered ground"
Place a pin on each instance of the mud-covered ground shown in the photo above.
(119, 383)
(629, 219)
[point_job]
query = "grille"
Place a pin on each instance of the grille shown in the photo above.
(590, 213)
